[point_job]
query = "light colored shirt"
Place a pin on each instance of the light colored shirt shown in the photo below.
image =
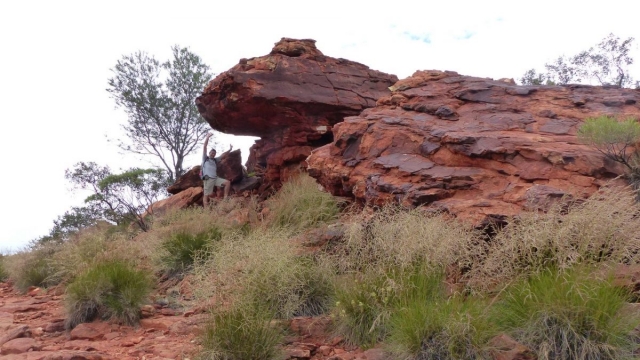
(210, 166)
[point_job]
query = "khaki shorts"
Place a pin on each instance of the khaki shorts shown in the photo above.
(210, 183)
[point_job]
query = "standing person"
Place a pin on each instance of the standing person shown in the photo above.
(210, 172)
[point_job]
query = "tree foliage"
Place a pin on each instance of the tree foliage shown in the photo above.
(607, 63)
(159, 99)
(118, 198)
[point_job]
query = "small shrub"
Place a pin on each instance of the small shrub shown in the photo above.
(181, 249)
(241, 333)
(109, 290)
(425, 324)
(569, 315)
(300, 204)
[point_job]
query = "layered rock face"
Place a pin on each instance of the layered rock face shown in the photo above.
(291, 99)
(474, 147)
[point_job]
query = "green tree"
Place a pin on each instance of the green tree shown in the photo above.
(531, 77)
(119, 198)
(71, 222)
(608, 63)
(159, 99)
(617, 141)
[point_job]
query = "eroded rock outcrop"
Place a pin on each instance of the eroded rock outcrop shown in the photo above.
(474, 147)
(291, 99)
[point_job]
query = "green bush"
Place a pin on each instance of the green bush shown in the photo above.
(300, 204)
(109, 290)
(242, 333)
(425, 324)
(180, 250)
(569, 315)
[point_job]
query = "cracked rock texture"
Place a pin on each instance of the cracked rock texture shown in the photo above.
(291, 99)
(474, 147)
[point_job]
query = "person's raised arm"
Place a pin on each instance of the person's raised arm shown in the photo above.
(206, 142)
(228, 151)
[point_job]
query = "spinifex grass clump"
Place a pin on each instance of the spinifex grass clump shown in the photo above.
(397, 238)
(570, 315)
(180, 250)
(109, 290)
(604, 228)
(263, 268)
(362, 309)
(301, 204)
(241, 333)
(426, 324)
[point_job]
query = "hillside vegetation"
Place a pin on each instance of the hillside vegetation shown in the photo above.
(420, 285)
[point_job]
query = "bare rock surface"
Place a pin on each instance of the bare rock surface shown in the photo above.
(474, 147)
(289, 98)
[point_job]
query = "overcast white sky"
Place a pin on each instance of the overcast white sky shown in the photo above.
(56, 58)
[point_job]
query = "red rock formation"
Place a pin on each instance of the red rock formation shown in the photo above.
(474, 147)
(290, 98)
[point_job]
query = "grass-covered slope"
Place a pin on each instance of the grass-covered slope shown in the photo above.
(419, 285)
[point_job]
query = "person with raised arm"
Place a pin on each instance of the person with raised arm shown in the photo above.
(210, 172)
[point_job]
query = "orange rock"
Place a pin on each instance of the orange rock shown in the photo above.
(473, 147)
(19, 346)
(90, 331)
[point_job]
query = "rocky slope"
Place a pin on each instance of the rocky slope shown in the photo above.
(32, 328)
(291, 99)
(474, 147)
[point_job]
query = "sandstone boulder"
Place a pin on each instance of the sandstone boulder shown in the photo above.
(474, 147)
(190, 179)
(290, 98)
(182, 200)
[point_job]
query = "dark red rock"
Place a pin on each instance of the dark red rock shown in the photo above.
(230, 166)
(188, 180)
(290, 98)
(474, 147)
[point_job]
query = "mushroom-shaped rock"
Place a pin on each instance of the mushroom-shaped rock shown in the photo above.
(291, 99)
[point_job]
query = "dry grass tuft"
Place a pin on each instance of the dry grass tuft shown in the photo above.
(397, 238)
(262, 267)
(604, 228)
(301, 204)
